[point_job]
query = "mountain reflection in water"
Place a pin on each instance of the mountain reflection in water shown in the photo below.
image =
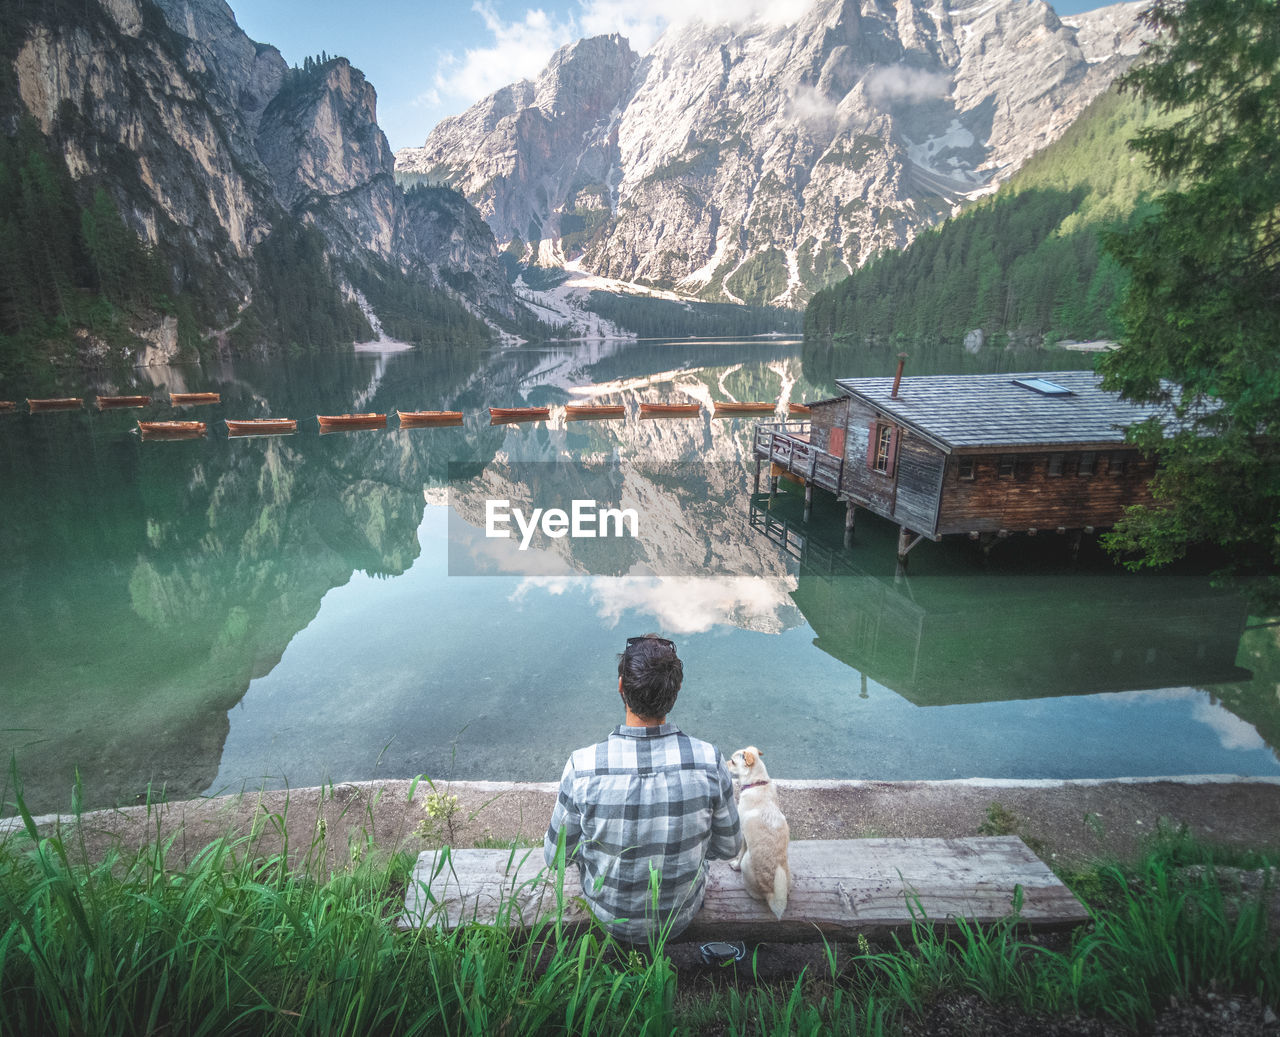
(205, 615)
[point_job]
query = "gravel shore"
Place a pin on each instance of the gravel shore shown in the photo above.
(1065, 822)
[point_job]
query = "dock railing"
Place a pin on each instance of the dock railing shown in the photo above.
(786, 444)
(795, 541)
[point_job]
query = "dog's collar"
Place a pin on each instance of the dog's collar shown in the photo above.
(755, 784)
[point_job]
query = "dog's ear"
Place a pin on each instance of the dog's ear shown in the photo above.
(748, 757)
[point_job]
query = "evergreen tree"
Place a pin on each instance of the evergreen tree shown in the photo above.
(1203, 303)
(112, 248)
(1023, 265)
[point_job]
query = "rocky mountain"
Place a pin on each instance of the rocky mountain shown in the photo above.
(211, 147)
(759, 162)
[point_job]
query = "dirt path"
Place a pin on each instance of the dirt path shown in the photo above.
(1065, 822)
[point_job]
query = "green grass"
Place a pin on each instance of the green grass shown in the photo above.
(240, 940)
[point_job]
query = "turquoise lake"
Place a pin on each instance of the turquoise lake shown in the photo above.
(222, 613)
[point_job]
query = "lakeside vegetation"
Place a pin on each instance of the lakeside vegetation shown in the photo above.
(70, 266)
(649, 317)
(250, 939)
(1025, 265)
(1203, 298)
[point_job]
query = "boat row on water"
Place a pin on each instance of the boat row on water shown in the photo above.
(177, 399)
(110, 402)
(579, 411)
(372, 420)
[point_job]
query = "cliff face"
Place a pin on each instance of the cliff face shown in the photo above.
(458, 247)
(328, 160)
(168, 162)
(761, 162)
(532, 151)
(207, 142)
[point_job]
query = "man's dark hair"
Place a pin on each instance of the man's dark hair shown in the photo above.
(651, 675)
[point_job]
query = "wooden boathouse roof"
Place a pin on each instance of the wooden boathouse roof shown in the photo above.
(990, 411)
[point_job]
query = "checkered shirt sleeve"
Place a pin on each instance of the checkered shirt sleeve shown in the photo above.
(647, 798)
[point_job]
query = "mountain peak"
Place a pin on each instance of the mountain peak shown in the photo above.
(760, 161)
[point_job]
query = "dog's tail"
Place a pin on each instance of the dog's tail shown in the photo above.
(778, 896)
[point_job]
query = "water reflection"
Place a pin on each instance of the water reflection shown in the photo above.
(202, 614)
(149, 584)
(938, 641)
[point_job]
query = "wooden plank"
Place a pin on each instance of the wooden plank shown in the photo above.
(839, 888)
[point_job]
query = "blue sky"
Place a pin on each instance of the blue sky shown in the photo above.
(433, 58)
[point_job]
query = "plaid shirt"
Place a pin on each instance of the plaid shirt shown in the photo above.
(647, 797)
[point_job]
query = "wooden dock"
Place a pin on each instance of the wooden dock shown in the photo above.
(839, 888)
(786, 445)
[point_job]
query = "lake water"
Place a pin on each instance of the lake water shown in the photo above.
(216, 614)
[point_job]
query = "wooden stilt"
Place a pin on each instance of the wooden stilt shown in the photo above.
(907, 540)
(808, 500)
(849, 511)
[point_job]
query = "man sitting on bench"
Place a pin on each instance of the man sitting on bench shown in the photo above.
(648, 799)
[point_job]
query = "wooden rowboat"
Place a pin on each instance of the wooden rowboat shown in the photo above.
(798, 408)
(578, 411)
(260, 426)
(424, 418)
(350, 422)
(58, 403)
(190, 399)
(505, 414)
(754, 407)
(172, 429)
(113, 402)
(670, 410)
(7, 406)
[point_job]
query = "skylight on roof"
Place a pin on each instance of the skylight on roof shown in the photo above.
(1043, 386)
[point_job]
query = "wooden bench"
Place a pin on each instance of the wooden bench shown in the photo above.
(839, 888)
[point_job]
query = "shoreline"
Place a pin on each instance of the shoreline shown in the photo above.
(1067, 822)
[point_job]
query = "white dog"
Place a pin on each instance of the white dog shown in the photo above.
(763, 860)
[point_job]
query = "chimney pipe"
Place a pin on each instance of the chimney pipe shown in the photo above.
(897, 378)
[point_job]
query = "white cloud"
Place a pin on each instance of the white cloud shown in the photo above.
(642, 27)
(640, 24)
(520, 50)
(679, 605)
(1232, 731)
(689, 605)
(808, 104)
(900, 83)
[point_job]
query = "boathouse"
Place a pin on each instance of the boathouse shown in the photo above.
(983, 456)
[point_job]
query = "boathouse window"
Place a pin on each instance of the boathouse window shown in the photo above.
(1008, 465)
(883, 447)
(1117, 463)
(966, 468)
(1088, 459)
(1055, 463)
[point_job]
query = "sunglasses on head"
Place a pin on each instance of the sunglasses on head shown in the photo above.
(631, 641)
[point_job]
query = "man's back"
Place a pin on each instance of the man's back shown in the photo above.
(647, 798)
